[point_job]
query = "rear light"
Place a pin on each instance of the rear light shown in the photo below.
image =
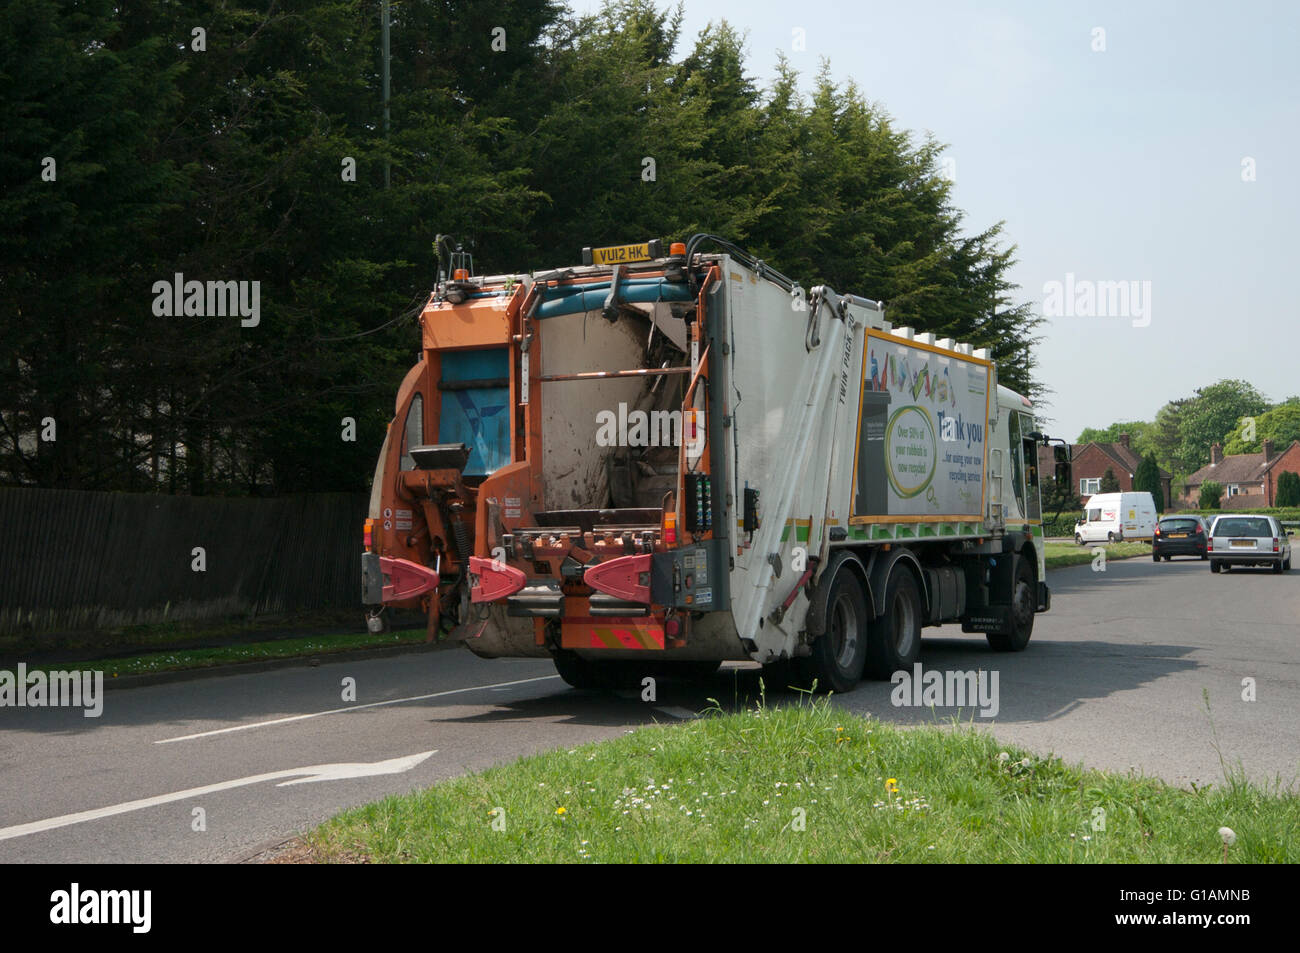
(1276, 547)
(368, 534)
(1209, 545)
(670, 527)
(1157, 530)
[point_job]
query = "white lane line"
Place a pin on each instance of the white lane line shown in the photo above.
(338, 711)
(677, 711)
(317, 772)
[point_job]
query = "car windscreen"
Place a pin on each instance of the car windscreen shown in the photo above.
(1178, 526)
(1243, 526)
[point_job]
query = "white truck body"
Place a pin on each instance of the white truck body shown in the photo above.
(843, 481)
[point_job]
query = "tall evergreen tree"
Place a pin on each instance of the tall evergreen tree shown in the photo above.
(1148, 478)
(1288, 489)
(519, 127)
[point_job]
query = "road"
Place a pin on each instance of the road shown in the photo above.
(1114, 678)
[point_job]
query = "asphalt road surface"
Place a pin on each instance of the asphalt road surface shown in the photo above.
(209, 770)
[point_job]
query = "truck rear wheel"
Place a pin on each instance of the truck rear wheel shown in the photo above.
(599, 673)
(578, 671)
(839, 653)
(894, 640)
(1022, 612)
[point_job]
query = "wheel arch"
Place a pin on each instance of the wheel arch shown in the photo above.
(882, 566)
(842, 560)
(1029, 552)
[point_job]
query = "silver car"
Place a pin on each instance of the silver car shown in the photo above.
(1249, 541)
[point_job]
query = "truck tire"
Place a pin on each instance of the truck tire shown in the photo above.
(894, 640)
(840, 653)
(1022, 612)
(578, 671)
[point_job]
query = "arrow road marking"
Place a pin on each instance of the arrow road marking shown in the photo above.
(317, 772)
(338, 711)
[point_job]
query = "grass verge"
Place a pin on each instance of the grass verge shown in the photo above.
(1070, 554)
(807, 783)
(179, 633)
(178, 659)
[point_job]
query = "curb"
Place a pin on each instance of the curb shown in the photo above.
(268, 665)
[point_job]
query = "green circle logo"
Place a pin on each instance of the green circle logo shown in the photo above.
(912, 451)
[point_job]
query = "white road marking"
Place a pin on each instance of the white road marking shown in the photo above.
(338, 711)
(318, 772)
(677, 711)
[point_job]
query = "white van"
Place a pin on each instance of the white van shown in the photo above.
(1111, 517)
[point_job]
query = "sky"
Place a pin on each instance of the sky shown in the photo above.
(1153, 144)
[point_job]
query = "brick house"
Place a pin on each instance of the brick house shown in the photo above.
(1249, 480)
(1090, 461)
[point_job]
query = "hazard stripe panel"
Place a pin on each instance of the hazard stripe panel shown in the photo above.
(595, 633)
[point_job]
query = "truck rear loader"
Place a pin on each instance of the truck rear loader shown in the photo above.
(660, 462)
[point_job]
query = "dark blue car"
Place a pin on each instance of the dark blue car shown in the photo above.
(1179, 536)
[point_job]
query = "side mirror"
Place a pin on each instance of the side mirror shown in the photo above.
(1062, 460)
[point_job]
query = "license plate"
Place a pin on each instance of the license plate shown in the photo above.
(623, 254)
(1243, 544)
(1177, 535)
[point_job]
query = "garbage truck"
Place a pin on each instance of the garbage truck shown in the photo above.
(667, 460)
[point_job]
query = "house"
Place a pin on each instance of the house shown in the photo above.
(1248, 479)
(1090, 461)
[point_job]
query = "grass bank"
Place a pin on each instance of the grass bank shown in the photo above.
(1058, 555)
(807, 783)
(178, 659)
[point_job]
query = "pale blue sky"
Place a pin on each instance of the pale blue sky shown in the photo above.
(1122, 165)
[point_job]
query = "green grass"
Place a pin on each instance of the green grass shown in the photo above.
(175, 633)
(1069, 554)
(733, 789)
(179, 659)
